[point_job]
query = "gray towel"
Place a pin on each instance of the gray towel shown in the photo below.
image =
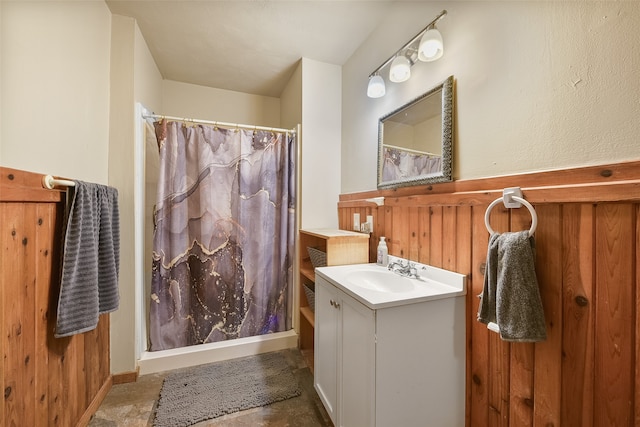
(90, 259)
(511, 297)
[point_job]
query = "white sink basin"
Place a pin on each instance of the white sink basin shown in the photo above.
(377, 287)
(380, 281)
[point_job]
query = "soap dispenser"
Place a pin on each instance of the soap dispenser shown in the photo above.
(383, 253)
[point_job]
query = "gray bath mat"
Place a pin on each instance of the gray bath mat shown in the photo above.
(192, 395)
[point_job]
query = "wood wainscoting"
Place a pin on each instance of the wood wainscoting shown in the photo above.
(47, 381)
(587, 373)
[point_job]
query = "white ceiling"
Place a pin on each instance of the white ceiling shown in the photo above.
(249, 46)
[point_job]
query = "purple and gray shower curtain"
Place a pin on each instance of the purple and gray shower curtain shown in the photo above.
(224, 232)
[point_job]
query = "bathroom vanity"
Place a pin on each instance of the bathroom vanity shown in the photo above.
(390, 350)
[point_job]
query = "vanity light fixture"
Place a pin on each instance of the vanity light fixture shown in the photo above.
(400, 70)
(376, 88)
(426, 46)
(431, 46)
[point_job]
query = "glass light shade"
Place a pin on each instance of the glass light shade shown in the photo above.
(376, 88)
(400, 69)
(431, 46)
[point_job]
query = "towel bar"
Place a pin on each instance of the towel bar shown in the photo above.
(50, 182)
(512, 198)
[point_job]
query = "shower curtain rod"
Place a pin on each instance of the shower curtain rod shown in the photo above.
(409, 150)
(210, 122)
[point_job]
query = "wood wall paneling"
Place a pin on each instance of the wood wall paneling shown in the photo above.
(614, 360)
(478, 335)
(47, 381)
(547, 374)
(587, 372)
(636, 403)
(578, 314)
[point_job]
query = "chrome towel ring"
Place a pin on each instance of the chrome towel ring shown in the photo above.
(512, 198)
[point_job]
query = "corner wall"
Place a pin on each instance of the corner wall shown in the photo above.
(134, 78)
(291, 101)
(321, 139)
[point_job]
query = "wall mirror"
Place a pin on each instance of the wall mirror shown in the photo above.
(415, 140)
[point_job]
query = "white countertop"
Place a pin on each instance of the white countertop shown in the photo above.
(434, 283)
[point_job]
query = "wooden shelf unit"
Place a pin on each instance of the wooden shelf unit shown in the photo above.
(342, 247)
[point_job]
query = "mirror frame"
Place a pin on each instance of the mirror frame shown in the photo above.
(447, 139)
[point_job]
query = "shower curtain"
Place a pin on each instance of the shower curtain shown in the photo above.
(224, 229)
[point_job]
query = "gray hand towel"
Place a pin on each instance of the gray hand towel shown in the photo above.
(511, 297)
(90, 259)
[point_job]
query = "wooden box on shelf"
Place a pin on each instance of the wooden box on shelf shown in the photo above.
(341, 247)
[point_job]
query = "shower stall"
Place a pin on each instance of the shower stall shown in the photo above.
(217, 231)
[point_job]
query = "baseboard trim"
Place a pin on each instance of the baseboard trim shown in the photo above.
(126, 377)
(95, 403)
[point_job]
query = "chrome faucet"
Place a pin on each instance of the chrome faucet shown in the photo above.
(408, 270)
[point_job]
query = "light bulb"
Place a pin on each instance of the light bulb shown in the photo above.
(400, 69)
(431, 46)
(376, 88)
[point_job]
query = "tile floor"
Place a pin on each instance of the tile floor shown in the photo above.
(133, 404)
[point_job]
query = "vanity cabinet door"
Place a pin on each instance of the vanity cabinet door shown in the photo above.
(357, 364)
(344, 356)
(325, 376)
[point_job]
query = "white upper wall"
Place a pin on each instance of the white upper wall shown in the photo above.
(147, 80)
(321, 139)
(55, 88)
(291, 100)
(207, 103)
(538, 85)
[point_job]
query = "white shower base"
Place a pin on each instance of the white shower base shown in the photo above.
(158, 361)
